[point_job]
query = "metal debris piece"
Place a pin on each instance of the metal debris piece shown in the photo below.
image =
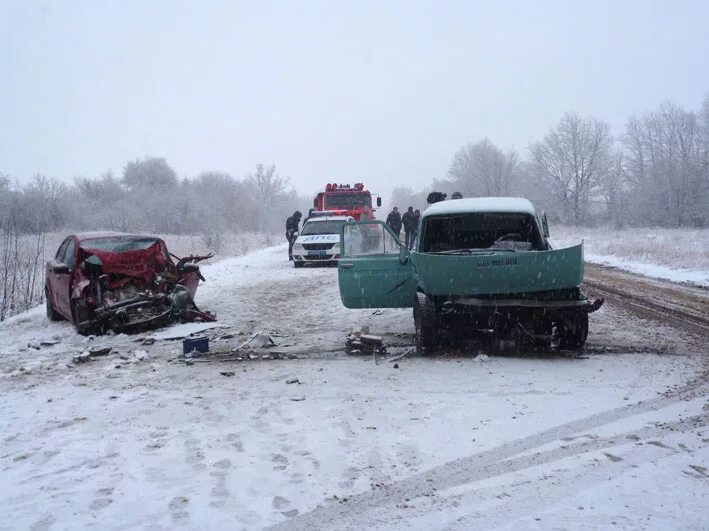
(100, 351)
(362, 342)
(292, 381)
(49, 342)
(82, 358)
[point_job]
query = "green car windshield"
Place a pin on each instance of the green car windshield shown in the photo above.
(480, 231)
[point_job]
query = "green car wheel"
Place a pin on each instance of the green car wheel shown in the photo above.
(426, 320)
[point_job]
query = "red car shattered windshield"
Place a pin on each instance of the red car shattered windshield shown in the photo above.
(119, 244)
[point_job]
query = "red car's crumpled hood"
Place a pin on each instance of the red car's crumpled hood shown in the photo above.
(141, 263)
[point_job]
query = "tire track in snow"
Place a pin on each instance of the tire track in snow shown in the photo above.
(492, 463)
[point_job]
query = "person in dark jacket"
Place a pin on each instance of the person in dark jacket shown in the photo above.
(292, 231)
(415, 231)
(394, 221)
(409, 226)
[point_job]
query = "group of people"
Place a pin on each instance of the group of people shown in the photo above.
(409, 221)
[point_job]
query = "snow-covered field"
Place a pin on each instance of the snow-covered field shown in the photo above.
(615, 438)
(679, 255)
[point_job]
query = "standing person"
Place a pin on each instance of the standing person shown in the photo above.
(292, 231)
(408, 221)
(414, 233)
(394, 221)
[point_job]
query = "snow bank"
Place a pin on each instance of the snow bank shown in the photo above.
(679, 255)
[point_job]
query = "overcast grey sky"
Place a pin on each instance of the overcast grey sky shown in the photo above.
(383, 92)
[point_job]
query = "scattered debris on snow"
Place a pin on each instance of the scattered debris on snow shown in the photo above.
(82, 358)
(100, 351)
(50, 342)
(258, 340)
(362, 342)
(184, 330)
(141, 355)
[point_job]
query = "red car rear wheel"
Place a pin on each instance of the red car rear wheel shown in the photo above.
(52, 314)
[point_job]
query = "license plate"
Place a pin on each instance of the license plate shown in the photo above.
(316, 253)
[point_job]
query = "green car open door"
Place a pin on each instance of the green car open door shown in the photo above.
(374, 269)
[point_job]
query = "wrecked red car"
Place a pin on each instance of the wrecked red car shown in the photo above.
(126, 283)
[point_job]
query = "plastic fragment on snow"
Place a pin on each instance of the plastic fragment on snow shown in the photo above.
(100, 351)
(82, 358)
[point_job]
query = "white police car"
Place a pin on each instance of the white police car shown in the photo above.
(319, 240)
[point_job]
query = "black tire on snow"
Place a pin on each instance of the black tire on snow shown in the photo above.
(297, 264)
(426, 321)
(77, 316)
(573, 331)
(52, 314)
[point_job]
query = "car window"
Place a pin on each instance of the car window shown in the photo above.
(369, 239)
(62, 249)
(68, 257)
(347, 200)
(446, 233)
(322, 227)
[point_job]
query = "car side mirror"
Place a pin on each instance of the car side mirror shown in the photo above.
(379, 201)
(545, 225)
(60, 268)
(403, 254)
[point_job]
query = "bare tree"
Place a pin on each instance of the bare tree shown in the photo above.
(151, 172)
(270, 189)
(614, 189)
(572, 161)
(669, 165)
(484, 169)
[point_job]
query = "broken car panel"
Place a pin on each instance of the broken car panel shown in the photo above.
(121, 282)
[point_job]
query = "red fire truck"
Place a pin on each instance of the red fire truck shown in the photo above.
(347, 200)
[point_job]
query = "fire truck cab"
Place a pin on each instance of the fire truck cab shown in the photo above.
(352, 201)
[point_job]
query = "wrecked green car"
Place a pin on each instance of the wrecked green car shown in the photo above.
(482, 265)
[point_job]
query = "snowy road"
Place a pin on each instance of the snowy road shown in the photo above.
(616, 437)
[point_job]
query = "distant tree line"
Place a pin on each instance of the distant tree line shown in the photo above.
(656, 173)
(149, 197)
